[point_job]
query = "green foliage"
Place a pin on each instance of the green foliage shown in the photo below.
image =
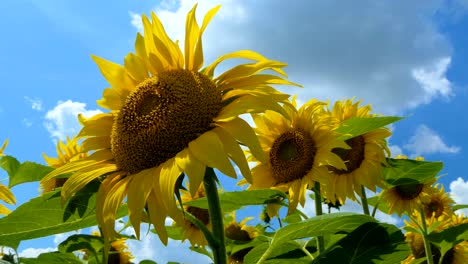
(459, 206)
(23, 172)
(356, 126)
(448, 238)
(231, 201)
(405, 171)
(52, 258)
(369, 243)
(44, 215)
(92, 244)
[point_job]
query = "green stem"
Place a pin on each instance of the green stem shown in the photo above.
(304, 249)
(216, 217)
(365, 206)
(318, 211)
(427, 244)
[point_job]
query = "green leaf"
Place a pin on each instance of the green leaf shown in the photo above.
(147, 261)
(256, 253)
(405, 171)
(294, 217)
(231, 201)
(44, 216)
(316, 226)
(356, 126)
(459, 206)
(23, 172)
(73, 243)
(52, 258)
(448, 238)
(173, 232)
(370, 243)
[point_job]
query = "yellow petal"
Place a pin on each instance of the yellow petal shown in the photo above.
(5, 144)
(95, 143)
(104, 189)
(157, 212)
(249, 69)
(112, 203)
(6, 195)
(209, 150)
(174, 50)
(136, 67)
(116, 75)
(240, 54)
(193, 168)
(256, 80)
(82, 177)
(4, 210)
(242, 131)
(138, 191)
(198, 53)
(234, 151)
(98, 125)
(140, 50)
(191, 37)
(168, 176)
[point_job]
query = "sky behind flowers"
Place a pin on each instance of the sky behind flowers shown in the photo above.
(406, 58)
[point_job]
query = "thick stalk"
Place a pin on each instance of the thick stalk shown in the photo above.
(427, 244)
(216, 217)
(318, 211)
(365, 205)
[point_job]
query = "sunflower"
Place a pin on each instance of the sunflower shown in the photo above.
(296, 149)
(363, 158)
(408, 197)
(191, 231)
(458, 254)
(169, 116)
(119, 253)
(242, 233)
(5, 193)
(67, 151)
(438, 203)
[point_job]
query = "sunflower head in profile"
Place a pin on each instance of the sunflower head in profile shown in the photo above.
(438, 203)
(168, 116)
(5, 193)
(242, 233)
(406, 198)
(363, 157)
(67, 151)
(118, 254)
(190, 230)
(297, 150)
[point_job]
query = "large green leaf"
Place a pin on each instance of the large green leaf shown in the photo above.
(23, 172)
(52, 258)
(405, 171)
(448, 238)
(231, 201)
(312, 227)
(459, 206)
(92, 244)
(44, 216)
(369, 243)
(356, 126)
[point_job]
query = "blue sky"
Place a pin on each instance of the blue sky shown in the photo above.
(406, 59)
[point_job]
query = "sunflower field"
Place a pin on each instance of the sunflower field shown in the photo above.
(174, 129)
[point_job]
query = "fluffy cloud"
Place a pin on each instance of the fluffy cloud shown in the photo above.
(62, 121)
(387, 53)
(34, 252)
(459, 192)
(426, 141)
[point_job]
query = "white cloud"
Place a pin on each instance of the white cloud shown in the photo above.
(395, 150)
(36, 104)
(59, 238)
(426, 141)
(136, 21)
(459, 192)
(62, 121)
(34, 252)
(433, 80)
(388, 53)
(27, 122)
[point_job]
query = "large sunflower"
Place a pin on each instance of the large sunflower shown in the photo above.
(363, 159)
(438, 203)
(67, 151)
(169, 116)
(5, 193)
(297, 150)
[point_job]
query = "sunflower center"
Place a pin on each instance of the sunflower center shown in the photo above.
(200, 213)
(161, 117)
(352, 157)
(433, 207)
(409, 191)
(235, 232)
(292, 155)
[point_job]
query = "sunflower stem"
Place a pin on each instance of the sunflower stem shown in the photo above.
(365, 205)
(318, 211)
(216, 217)
(427, 243)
